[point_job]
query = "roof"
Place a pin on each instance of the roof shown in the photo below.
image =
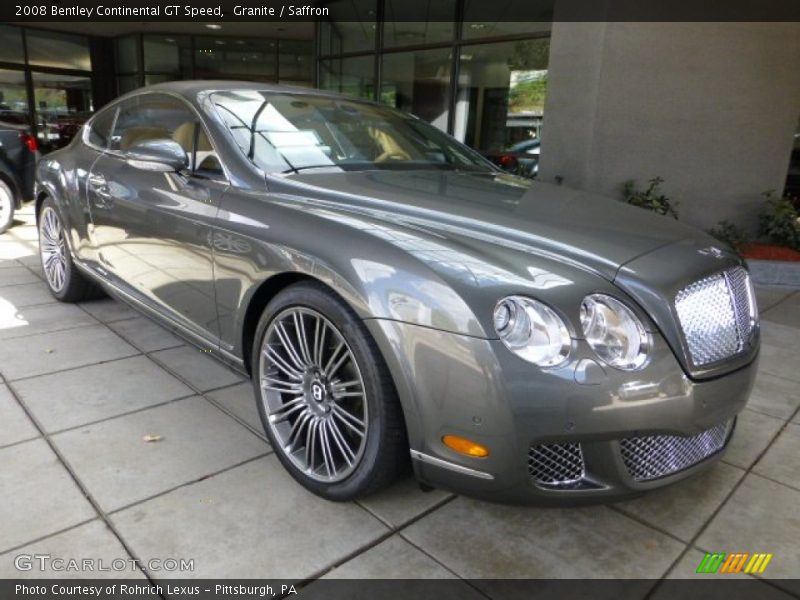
(191, 88)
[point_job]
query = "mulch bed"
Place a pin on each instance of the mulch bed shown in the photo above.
(770, 252)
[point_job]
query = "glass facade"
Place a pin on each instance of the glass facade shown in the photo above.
(402, 25)
(63, 104)
(501, 93)
(13, 97)
(51, 91)
(418, 82)
(11, 49)
(353, 76)
(254, 60)
(354, 32)
(484, 82)
(58, 50)
(168, 55)
(296, 62)
(149, 58)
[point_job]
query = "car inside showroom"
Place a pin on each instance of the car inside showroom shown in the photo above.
(378, 298)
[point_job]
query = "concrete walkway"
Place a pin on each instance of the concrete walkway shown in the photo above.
(83, 385)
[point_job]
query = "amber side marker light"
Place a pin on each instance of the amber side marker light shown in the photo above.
(465, 446)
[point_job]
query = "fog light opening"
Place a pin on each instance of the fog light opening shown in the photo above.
(465, 446)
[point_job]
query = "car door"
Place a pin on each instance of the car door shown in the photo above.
(152, 230)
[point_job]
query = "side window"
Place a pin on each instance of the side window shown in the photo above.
(152, 117)
(206, 163)
(157, 116)
(100, 127)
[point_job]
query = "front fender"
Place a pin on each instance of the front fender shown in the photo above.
(366, 263)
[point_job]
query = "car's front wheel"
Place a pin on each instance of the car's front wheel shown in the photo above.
(326, 400)
(6, 207)
(66, 283)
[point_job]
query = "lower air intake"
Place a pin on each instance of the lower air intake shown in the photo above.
(657, 456)
(556, 465)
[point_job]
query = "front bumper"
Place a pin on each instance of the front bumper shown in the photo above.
(475, 388)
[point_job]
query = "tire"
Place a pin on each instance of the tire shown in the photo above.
(65, 282)
(7, 206)
(302, 394)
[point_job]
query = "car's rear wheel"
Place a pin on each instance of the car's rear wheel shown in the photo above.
(6, 206)
(63, 279)
(327, 403)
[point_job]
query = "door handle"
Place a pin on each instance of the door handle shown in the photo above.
(99, 188)
(97, 181)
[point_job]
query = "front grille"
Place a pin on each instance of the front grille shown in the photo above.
(556, 465)
(656, 456)
(717, 315)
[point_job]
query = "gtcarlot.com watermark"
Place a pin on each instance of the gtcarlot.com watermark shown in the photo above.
(58, 564)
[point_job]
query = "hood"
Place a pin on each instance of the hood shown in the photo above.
(588, 230)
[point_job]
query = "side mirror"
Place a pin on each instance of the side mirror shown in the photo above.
(161, 155)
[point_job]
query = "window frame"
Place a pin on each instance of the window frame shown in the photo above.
(198, 120)
(87, 127)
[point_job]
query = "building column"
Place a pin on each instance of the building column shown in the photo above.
(712, 108)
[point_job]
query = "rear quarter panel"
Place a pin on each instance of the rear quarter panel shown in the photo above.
(61, 176)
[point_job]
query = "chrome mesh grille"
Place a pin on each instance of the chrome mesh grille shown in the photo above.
(656, 456)
(717, 315)
(556, 465)
(743, 301)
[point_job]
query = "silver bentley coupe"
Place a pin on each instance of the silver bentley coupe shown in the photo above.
(398, 302)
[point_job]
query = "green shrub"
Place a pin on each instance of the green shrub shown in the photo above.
(650, 198)
(779, 222)
(731, 234)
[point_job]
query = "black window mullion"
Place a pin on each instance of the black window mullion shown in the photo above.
(29, 92)
(455, 67)
(378, 76)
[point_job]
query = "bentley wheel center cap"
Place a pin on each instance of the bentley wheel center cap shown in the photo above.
(317, 392)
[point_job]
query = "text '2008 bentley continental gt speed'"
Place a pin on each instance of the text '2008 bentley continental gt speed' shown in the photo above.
(399, 301)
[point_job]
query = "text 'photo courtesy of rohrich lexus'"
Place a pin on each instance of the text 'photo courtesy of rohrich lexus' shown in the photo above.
(400, 303)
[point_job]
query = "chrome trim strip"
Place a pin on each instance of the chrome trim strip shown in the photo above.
(438, 462)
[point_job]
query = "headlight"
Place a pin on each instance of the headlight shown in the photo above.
(615, 334)
(532, 331)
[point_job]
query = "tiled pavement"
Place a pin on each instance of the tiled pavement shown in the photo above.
(83, 385)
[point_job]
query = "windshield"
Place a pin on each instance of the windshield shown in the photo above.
(283, 132)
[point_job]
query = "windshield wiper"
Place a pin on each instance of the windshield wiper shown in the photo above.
(309, 167)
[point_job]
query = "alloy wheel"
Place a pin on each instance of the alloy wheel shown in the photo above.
(53, 249)
(6, 206)
(313, 394)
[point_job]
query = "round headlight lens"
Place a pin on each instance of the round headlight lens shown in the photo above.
(615, 334)
(532, 331)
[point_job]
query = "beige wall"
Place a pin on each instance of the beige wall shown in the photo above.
(710, 107)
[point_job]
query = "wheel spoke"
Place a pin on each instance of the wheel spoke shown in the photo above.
(335, 368)
(49, 262)
(297, 429)
(59, 274)
(300, 328)
(348, 395)
(273, 384)
(311, 445)
(325, 446)
(353, 423)
(333, 357)
(281, 364)
(340, 442)
(288, 345)
(288, 409)
(319, 340)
